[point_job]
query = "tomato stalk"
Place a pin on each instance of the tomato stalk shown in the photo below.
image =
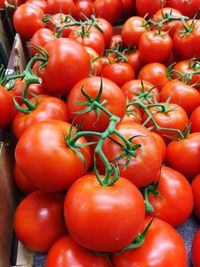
(9, 6)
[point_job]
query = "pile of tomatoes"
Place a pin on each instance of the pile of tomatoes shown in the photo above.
(106, 117)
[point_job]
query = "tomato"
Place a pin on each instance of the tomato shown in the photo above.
(115, 103)
(173, 117)
(38, 220)
(195, 185)
(84, 9)
(161, 144)
(7, 108)
(172, 25)
(67, 7)
(107, 60)
(40, 3)
(133, 114)
(195, 120)
(155, 47)
(27, 19)
(187, 42)
(144, 7)
(132, 30)
(179, 93)
(195, 249)
(22, 183)
(69, 56)
(109, 10)
(47, 108)
(116, 41)
(155, 73)
(163, 246)
(50, 165)
(66, 252)
(128, 8)
(175, 203)
(110, 216)
(119, 73)
(186, 7)
(184, 155)
(134, 60)
(95, 61)
(107, 28)
(143, 168)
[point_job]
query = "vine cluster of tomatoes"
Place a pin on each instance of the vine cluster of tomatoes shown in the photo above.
(107, 128)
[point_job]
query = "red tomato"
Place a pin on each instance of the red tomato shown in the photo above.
(143, 168)
(22, 183)
(69, 56)
(133, 114)
(163, 246)
(47, 108)
(66, 252)
(176, 202)
(187, 42)
(184, 155)
(95, 61)
(67, 7)
(179, 93)
(27, 19)
(155, 47)
(116, 41)
(109, 10)
(196, 194)
(186, 7)
(132, 30)
(84, 9)
(107, 28)
(38, 220)
(115, 103)
(155, 73)
(40, 3)
(110, 216)
(145, 7)
(51, 164)
(195, 250)
(161, 144)
(134, 60)
(119, 73)
(195, 120)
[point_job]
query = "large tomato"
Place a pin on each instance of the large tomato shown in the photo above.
(175, 203)
(66, 252)
(103, 218)
(195, 249)
(69, 56)
(51, 164)
(39, 221)
(163, 247)
(184, 155)
(143, 168)
(115, 103)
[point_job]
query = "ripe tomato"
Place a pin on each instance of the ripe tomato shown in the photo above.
(107, 28)
(155, 47)
(184, 155)
(116, 41)
(48, 108)
(143, 168)
(84, 9)
(95, 61)
(163, 246)
(186, 7)
(181, 94)
(69, 56)
(196, 194)
(119, 73)
(176, 202)
(161, 144)
(145, 7)
(67, 7)
(155, 73)
(134, 60)
(40, 3)
(110, 216)
(66, 252)
(38, 220)
(133, 114)
(195, 250)
(27, 19)
(51, 165)
(195, 120)
(116, 103)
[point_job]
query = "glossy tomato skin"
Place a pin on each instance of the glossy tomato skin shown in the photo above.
(195, 185)
(161, 144)
(71, 57)
(107, 28)
(48, 108)
(163, 246)
(40, 3)
(116, 103)
(181, 94)
(67, 7)
(176, 202)
(195, 249)
(110, 216)
(142, 169)
(195, 120)
(134, 60)
(27, 19)
(184, 155)
(51, 165)
(66, 252)
(38, 220)
(187, 8)
(84, 8)
(145, 7)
